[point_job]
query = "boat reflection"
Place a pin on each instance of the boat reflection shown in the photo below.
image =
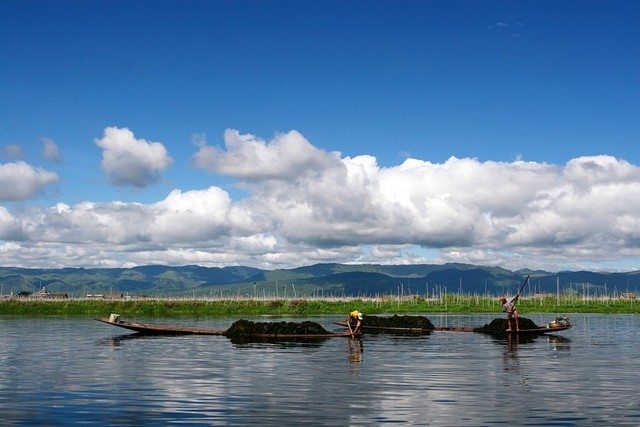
(559, 343)
(283, 342)
(515, 340)
(117, 340)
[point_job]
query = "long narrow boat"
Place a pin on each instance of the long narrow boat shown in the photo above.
(498, 327)
(390, 329)
(532, 331)
(162, 329)
(453, 329)
(540, 330)
(159, 329)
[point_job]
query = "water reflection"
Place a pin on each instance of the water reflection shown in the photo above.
(261, 342)
(581, 376)
(239, 342)
(514, 341)
(511, 364)
(117, 340)
(559, 342)
(355, 347)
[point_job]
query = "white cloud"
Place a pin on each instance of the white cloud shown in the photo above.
(288, 155)
(10, 227)
(195, 216)
(313, 206)
(20, 181)
(50, 150)
(128, 161)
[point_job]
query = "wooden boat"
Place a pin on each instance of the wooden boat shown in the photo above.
(498, 328)
(389, 329)
(532, 331)
(540, 330)
(453, 329)
(159, 329)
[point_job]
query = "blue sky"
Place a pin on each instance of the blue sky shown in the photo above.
(299, 117)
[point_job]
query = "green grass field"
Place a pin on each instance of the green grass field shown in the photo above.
(451, 303)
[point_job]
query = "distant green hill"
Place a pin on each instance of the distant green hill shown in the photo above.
(313, 280)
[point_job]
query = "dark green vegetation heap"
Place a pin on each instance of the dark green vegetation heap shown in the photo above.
(395, 321)
(243, 328)
(498, 327)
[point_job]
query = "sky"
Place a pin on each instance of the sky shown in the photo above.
(279, 134)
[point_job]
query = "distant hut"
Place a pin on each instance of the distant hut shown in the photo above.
(113, 295)
(44, 294)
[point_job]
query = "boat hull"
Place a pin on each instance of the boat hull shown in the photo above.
(539, 331)
(390, 329)
(158, 329)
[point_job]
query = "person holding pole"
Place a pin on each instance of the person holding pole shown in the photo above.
(509, 307)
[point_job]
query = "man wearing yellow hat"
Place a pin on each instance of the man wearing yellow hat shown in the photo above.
(354, 323)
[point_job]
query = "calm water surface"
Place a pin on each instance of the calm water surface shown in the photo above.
(63, 371)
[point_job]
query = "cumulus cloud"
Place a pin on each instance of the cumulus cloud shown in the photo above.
(199, 215)
(20, 181)
(10, 227)
(306, 205)
(247, 157)
(50, 150)
(128, 161)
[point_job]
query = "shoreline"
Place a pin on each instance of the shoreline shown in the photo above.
(174, 307)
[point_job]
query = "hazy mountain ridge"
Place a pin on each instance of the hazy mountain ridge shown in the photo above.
(318, 279)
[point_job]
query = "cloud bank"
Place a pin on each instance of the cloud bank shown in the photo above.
(306, 205)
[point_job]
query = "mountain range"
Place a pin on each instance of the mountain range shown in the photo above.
(314, 280)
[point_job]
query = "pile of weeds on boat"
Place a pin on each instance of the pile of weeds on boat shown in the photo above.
(245, 327)
(498, 327)
(396, 321)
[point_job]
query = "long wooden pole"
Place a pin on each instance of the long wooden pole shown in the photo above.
(523, 283)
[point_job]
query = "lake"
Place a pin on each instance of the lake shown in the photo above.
(74, 370)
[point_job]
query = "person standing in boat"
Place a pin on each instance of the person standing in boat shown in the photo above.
(509, 307)
(354, 323)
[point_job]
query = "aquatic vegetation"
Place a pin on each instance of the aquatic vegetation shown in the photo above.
(243, 328)
(498, 327)
(449, 303)
(396, 321)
